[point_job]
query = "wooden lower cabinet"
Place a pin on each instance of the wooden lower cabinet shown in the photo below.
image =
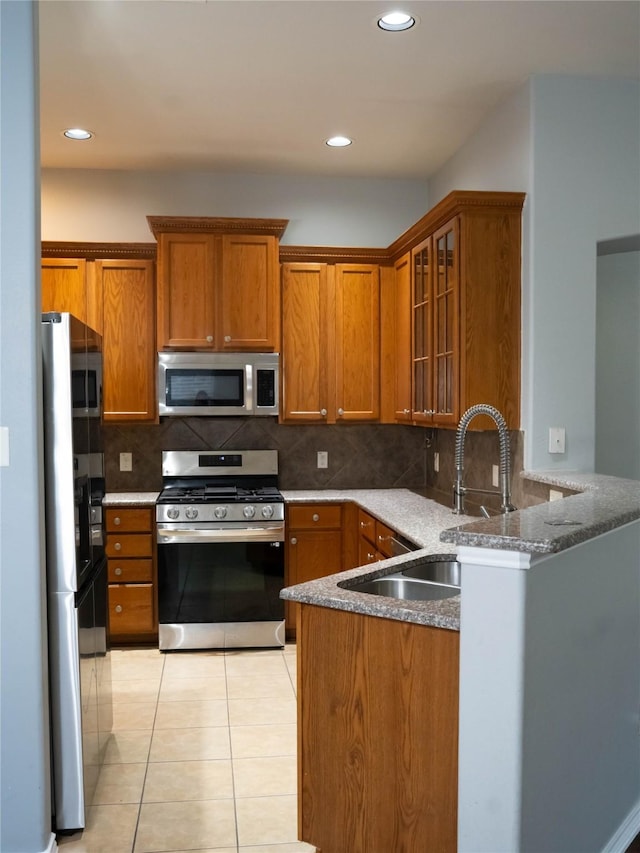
(377, 734)
(131, 574)
(313, 548)
(374, 539)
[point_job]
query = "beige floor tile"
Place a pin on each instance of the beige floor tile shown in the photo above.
(194, 713)
(172, 781)
(256, 741)
(129, 664)
(258, 712)
(188, 689)
(267, 820)
(109, 829)
(186, 826)
(255, 663)
(258, 686)
(265, 777)
(194, 665)
(204, 744)
(119, 783)
(128, 747)
(136, 690)
(136, 716)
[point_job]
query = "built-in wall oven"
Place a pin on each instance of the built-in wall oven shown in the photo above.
(220, 534)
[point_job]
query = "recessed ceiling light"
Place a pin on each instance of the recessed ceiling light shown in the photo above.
(77, 133)
(338, 142)
(396, 21)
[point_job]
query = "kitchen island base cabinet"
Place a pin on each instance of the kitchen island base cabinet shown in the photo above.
(377, 734)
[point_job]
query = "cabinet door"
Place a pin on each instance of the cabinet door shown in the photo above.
(64, 286)
(446, 343)
(307, 342)
(402, 339)
(186, 291)
(249, 297)
(129, 367)
(357, 342)
(422, 332)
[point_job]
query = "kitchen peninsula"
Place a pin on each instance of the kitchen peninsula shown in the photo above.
(549, 687)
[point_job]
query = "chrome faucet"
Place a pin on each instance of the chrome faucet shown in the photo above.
(459, 489)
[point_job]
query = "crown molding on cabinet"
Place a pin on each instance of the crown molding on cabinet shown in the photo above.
(333, 255)
(99, 251)
(215, 225)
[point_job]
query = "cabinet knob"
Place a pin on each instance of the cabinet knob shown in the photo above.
(341, 412)
(429, 412)
(117, 521)
(210, 339)
(406, 411)
(118, 608)
(315, 517)
(118, 571)
(227, 339)
(323, 412)
(117, 546)
(370, 557)
(293, 540)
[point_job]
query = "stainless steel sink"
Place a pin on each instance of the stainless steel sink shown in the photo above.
(406, 589)
(441, 569)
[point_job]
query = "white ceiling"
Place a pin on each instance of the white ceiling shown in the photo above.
(258, 85)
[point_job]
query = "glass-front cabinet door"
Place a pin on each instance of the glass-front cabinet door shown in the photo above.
(445, 323)
(422, 332)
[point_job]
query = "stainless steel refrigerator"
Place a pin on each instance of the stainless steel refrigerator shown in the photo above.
(79, 658)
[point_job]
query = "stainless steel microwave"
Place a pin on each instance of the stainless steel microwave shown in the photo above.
(209, 384)
(86, 384)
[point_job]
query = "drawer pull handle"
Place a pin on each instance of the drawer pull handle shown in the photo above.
(315, 517)
(118, 571)
(117, 546)
(118, 608)
(117, 521)
(293, 540)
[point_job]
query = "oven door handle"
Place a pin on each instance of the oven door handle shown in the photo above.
(170, 536)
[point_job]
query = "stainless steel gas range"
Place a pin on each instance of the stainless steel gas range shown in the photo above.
(220, 533)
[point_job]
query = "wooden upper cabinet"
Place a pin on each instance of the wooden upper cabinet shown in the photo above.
(307, 342)
(187, 277)
(402, 339)
(357, 342)
(64, 286)
(218, 283)
(249, 293)
(129, 362)
(331, 342)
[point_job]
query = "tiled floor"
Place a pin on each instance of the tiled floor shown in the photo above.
(202, 757)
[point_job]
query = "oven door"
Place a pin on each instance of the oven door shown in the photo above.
(220, 588)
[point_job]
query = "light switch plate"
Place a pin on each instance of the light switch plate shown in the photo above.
(436, 461)
(323, 459)
(4, 447)
(556, 439)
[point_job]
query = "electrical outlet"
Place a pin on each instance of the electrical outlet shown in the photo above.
(323, 459)
(436, 462)
(495, 475)
(554, 495)
(126, 462)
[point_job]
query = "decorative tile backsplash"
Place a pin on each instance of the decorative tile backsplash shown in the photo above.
(361, 456)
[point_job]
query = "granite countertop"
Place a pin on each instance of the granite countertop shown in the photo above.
(129, 498)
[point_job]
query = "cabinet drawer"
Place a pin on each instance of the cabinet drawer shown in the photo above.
(315, 515)
(367, 526)
(131, 609)
(129, 520)
(130, 571)
(130, 545)
(384, 537)
(367, 553)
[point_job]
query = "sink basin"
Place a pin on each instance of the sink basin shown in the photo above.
(403, 588)
(445, 569)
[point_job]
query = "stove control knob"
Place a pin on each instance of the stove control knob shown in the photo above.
(267, 511)
(249, 511)
(191, 512)
(220, 511)
(173, 512)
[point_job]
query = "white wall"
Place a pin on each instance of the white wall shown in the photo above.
(549, 758)
(95, 206)
(586, 188)
(25, 805)
(618, 365)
